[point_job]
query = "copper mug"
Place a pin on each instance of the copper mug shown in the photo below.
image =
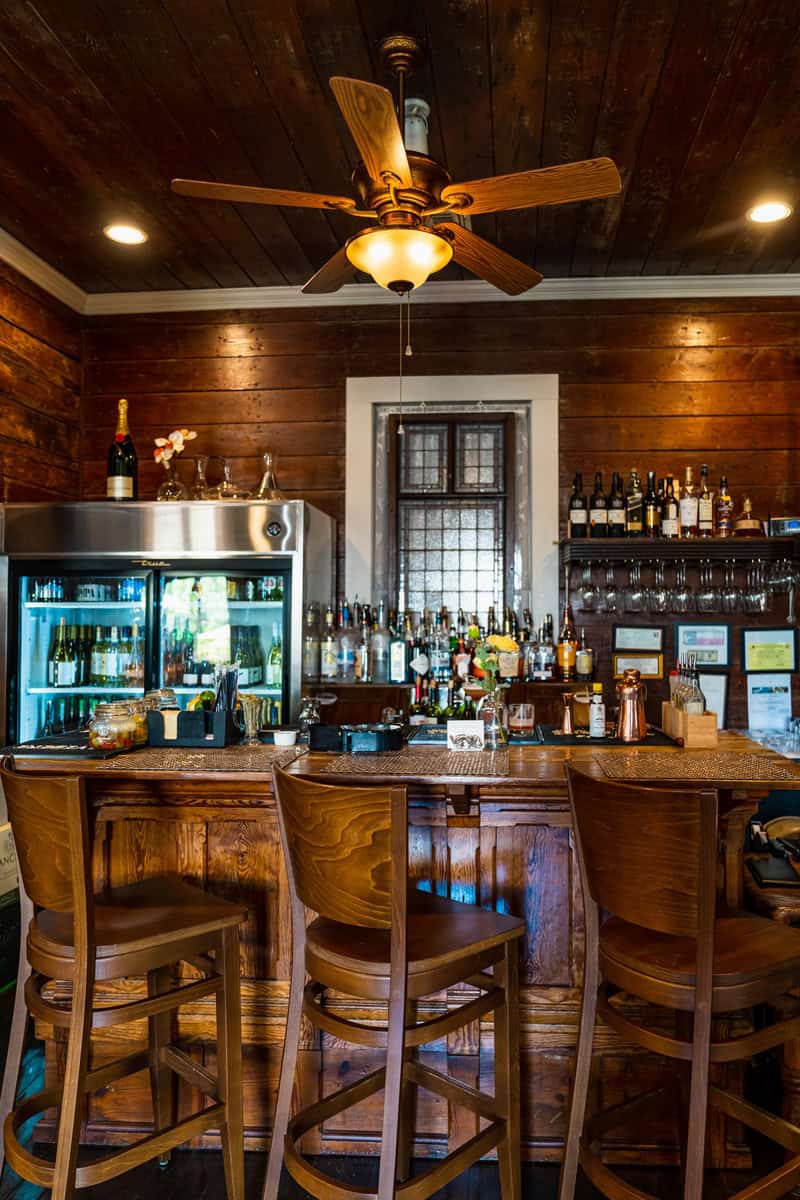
(631, 721)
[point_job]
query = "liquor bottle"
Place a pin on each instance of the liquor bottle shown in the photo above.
(567, 645)
(705, 506)
(112, 658)
(491, 622)
(63, 659)
(275, 661)
(584, 660)
(191, 667)
(724, 510)
(124, 656)
(546, 667)
(362, 662)
(97, 670)
(379, 647)
(122, 472)
(597, 712)
(239, 655)
(634, 525)
(311, 645)
(439, 652)
(462, 660)
(135, 670)
(258, 663)
(328, 648)
(652, 508)
(670, 527)
(746, 525)
(616, 508)
(398, 652)
(205, 672)
(578, 513)
(416, 711)
(689, 507)
(598, 510)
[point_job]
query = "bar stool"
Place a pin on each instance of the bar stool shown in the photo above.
(346, 852)
(648, 856)
(134, 930)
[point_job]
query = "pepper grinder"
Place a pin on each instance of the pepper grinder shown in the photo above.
(566, 721)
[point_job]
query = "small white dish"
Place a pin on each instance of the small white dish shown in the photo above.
(285, 737)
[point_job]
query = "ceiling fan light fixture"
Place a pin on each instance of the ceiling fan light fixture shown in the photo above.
(768, 211)
(399, 259)
(126, 235)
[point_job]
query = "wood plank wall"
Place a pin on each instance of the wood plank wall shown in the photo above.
(651, 384)
(40, 387)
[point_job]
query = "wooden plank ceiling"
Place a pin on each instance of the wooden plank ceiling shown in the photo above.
(103, 101)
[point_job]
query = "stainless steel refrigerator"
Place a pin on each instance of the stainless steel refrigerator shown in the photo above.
(105, 600)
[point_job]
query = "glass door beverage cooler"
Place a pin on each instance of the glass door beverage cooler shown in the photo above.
(107, 600)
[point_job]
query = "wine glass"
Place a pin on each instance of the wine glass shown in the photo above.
(610, 596)
(635, 597)
(707, 594)
(730, 597)
(659, 593)
(682, 594)
(589, 592)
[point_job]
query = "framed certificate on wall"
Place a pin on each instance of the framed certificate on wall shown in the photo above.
(769, 650)
(710, 644)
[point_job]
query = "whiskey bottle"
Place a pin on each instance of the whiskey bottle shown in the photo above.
(634, 525)
(598, 510)
(688, 507)
(652, 508)
(705, 506)
(746, 525)
(578, 517)
(724, 510)
(670, 527)
(616, 508)
(567, 646)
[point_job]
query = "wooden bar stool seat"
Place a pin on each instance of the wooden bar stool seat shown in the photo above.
(648, 858)
(78, 938)
(346, 851)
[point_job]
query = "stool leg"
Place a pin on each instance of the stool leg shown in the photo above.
(698, 1107)
(19, 1020)
(162, 1079)
(583, 1067)
(395, 1056)
(506, 1072)
(408, 1104)
(69, 1118)
(291, 1042)
(229, 1064)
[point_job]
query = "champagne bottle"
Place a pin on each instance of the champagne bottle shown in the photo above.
(122, 473)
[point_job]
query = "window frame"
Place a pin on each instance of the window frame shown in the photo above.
(507, 494)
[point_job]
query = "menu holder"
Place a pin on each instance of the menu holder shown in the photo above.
(199, 728)
(697, 731)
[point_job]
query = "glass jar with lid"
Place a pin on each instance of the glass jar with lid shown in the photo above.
(139, 714)
(112, 727)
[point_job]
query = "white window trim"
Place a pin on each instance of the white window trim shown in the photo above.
(538, 392)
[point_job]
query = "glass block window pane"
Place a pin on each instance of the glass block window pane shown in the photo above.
(479, 453)
(423, 458)
(461, 562)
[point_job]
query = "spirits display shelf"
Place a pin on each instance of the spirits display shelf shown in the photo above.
(597, 550)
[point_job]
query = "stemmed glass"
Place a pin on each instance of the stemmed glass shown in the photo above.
(757, 595)
(635, 594)
(707, 593)
(610, 595)
(682, 594)
(659, 593)
(589, 593)
(730, 597)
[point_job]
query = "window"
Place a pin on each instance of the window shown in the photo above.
(451, 520)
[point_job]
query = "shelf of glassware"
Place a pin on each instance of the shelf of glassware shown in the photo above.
(574, 550)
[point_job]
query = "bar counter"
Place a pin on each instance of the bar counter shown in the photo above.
(498, 840)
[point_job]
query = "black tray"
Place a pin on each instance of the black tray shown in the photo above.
(551, 735)
(63, 745)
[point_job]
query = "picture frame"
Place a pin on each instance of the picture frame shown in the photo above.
(645, 638)
(769, 650)
(650, 666)
(709, 642)
(769, 701)
(714, 686)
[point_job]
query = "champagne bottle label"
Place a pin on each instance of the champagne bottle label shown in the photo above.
(64, 674)
(119, 487)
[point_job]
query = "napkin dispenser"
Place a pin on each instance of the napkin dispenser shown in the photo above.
(198, 727)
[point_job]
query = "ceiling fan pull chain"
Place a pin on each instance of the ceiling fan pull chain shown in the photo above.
(400, 426)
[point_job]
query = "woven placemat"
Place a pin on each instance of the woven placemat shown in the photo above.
(427, 764)
(697, 766)
(228, 758)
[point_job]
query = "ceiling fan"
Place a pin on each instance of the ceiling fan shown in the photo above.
(402, 189)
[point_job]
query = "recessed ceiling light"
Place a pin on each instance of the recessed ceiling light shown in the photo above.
(129, 235)
(770, 210)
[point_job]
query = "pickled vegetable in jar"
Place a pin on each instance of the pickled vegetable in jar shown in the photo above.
(112, 727)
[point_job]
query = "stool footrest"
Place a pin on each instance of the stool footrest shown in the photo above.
(190, 1071)
(607, 1181)
(452, 1090)
(777, 1129)
(618, 1114)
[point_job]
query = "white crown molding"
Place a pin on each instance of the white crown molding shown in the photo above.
(41, 273)
(468, 291)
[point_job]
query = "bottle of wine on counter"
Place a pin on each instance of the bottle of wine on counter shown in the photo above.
(598, 509)
(122, 473)
(616, 508)
(577, 521)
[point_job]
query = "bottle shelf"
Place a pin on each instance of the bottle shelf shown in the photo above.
(78, 604)
(691, 549)
(253, 691)
(273, 604)
(92, 690)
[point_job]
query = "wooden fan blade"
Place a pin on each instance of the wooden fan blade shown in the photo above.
(488, 261)
(526, 189)
(336, 271)
(371, 118)
(201, 189)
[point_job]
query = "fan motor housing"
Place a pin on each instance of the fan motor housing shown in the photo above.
(429, 178)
